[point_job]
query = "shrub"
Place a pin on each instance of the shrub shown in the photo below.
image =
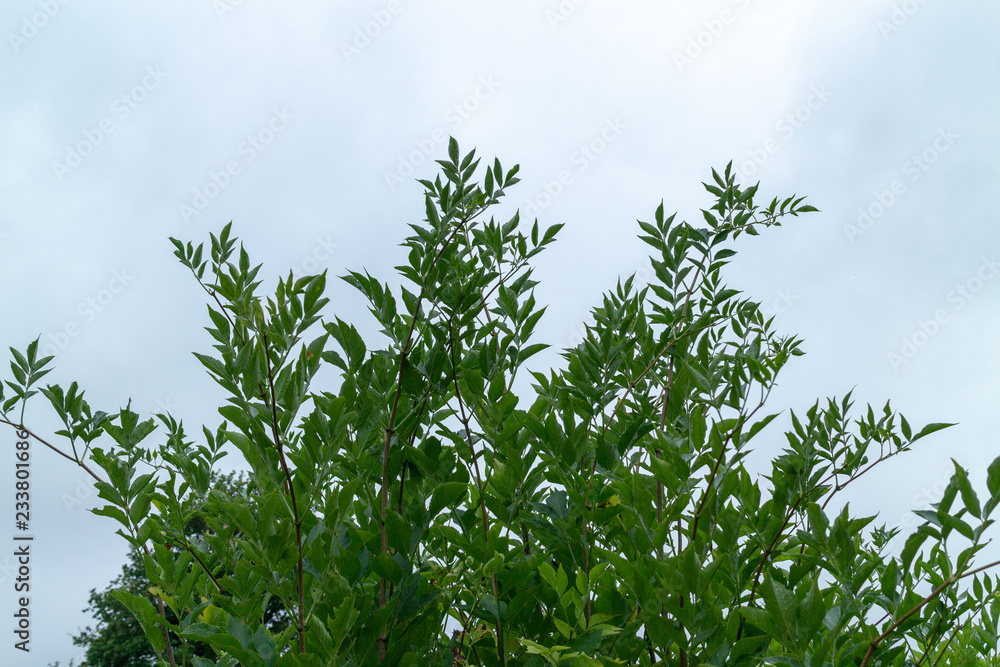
(422, 513)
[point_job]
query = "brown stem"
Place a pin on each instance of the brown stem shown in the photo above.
(464, 417)
(920, 605)
(465, 627)
(931, 639)
(715, 471)
(390, 428)
(766, 554)
(384, 491)
(58, 451)
(168, 649)
(501, 653)
(166, 634)
(631, 386)
(659, 487)
(663, 423)
(652, 653)
(944, 649)
(204, 568)
(402, 481)
(840, 487)
(275, 430)
(586, 569)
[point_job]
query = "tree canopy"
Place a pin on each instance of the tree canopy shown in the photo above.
(421, 512)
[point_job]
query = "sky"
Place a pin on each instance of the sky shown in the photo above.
(306, 124)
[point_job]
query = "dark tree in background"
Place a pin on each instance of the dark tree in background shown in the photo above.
(117, 639)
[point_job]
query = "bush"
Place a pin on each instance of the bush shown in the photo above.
(422, 513)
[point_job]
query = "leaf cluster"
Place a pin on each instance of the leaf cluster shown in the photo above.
(421, 512)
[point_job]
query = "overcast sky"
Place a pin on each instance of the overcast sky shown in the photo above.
(123, 123)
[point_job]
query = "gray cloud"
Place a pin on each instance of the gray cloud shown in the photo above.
(168, 101)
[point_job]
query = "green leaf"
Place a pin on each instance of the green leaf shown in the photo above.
(447, 494)
(969, 496)
(146, 614)
(529, 351)
(398, 532)
(889, 579)
(993, 479)
(343, 619)
(548, 575)
(910, 548)
(563, 627)
(386, 567)
(562, 581)
(113, 512)
(139, 509)
(964, 529)
(431, 210)
(930, 428)
(581, 581)
(21, 361)
(264, 645)
(691, 569)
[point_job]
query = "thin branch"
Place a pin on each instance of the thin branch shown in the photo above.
(715, 469)
(501, 654)
(390, 428)
(53, 448)
(933, 594)
(194, 554)
(276, 431)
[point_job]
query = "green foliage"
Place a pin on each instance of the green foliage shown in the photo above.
(422, 513)
(118, 640)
